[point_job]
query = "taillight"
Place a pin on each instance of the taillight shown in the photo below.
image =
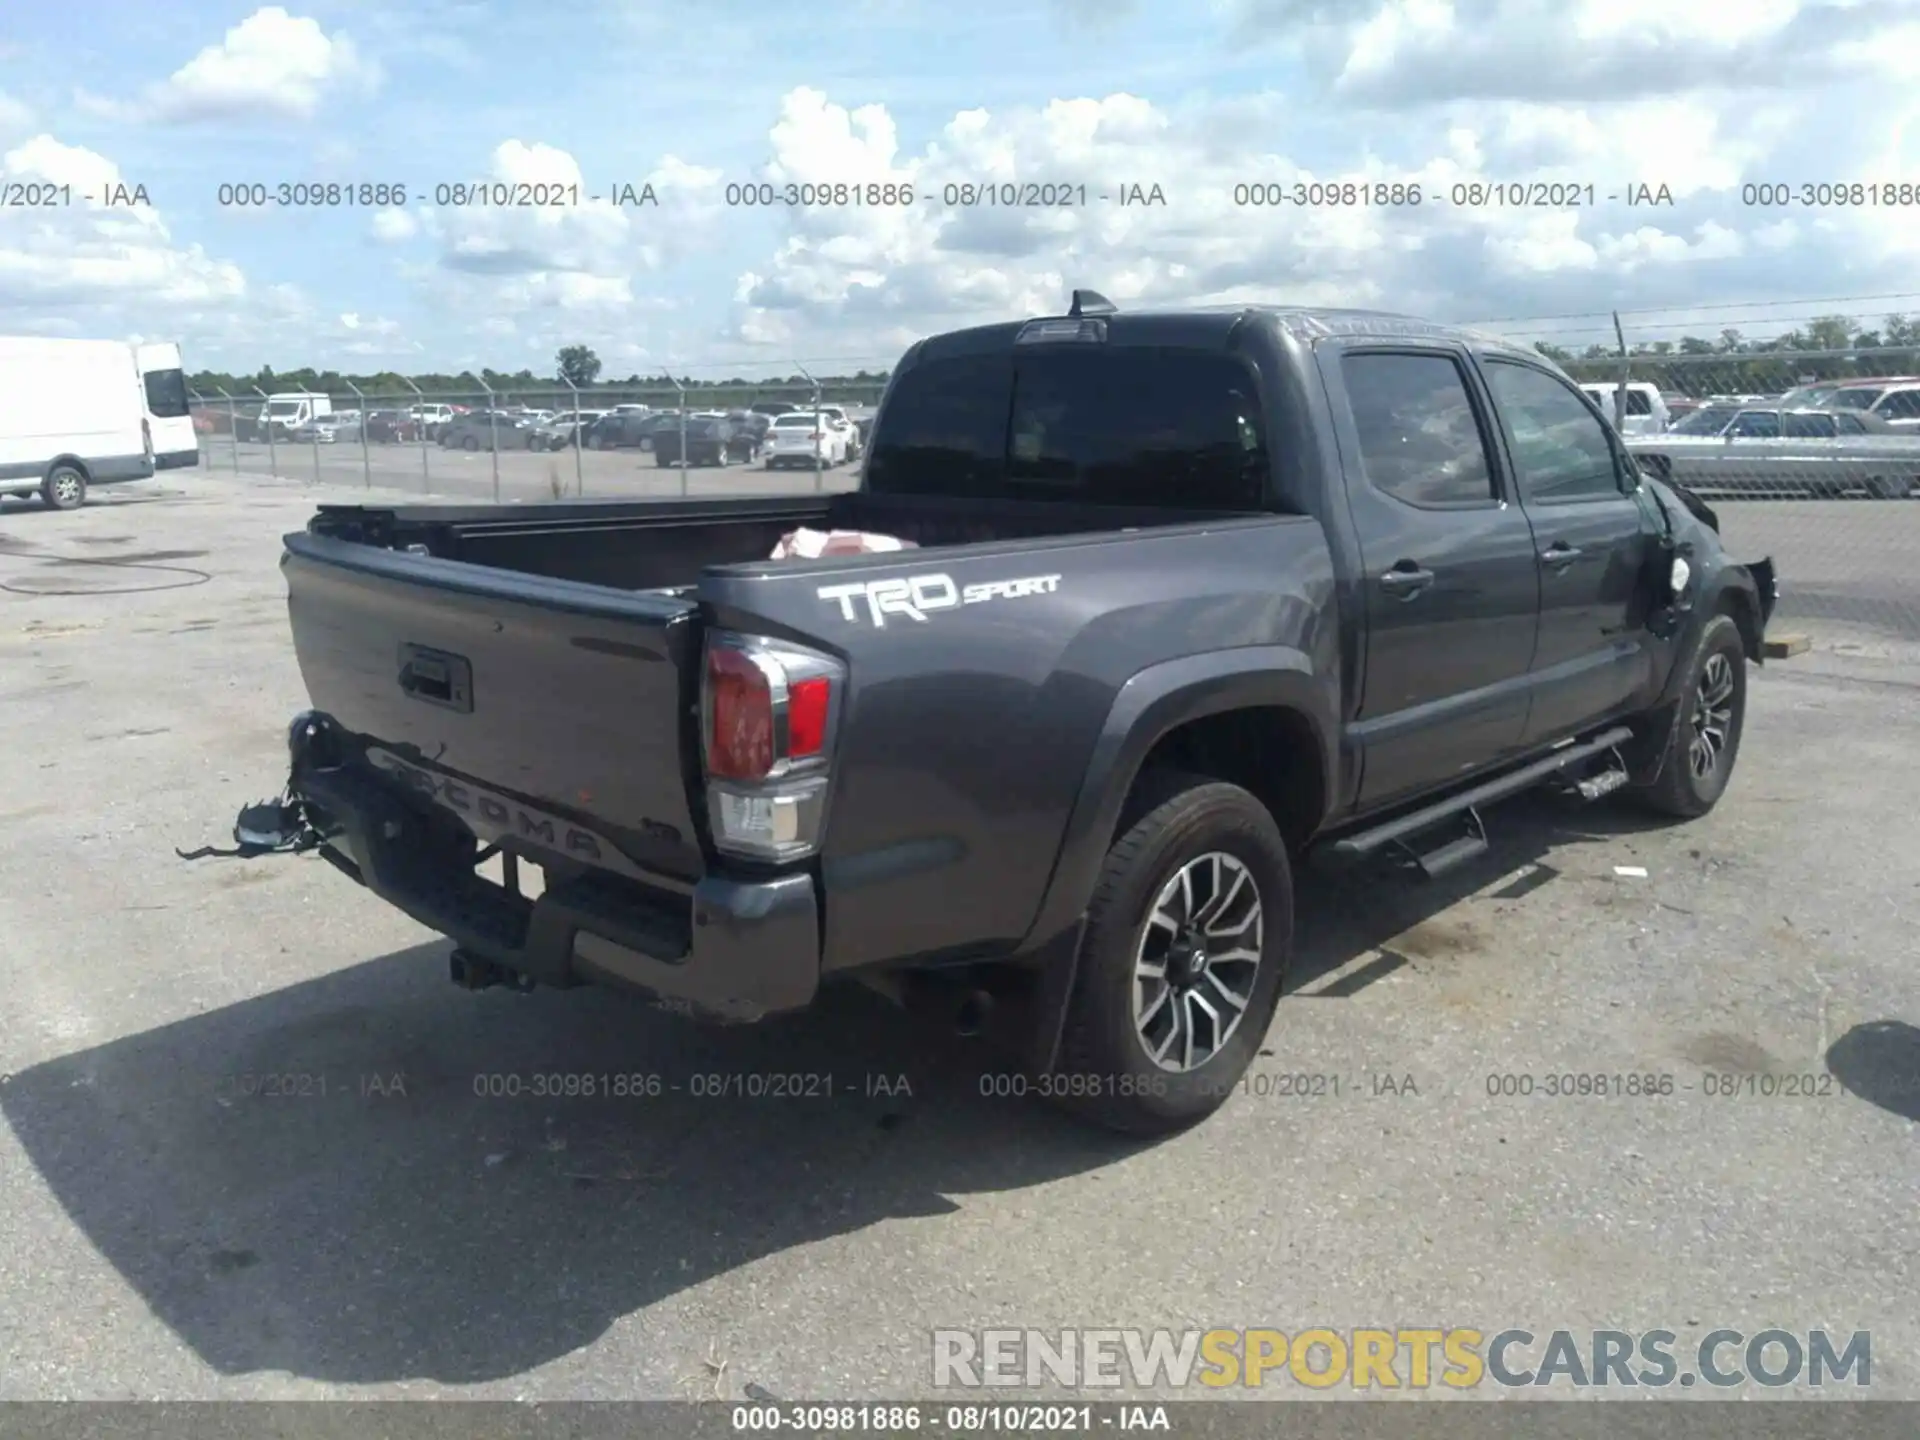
(768, 710)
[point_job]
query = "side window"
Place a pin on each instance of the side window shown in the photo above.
(942, 429)
(1809, 427)
(166, 394)
(1756, 425)
(1561, 452)
(1419, 440)
(1639, 403)
(1901, 405)
(1850, 424)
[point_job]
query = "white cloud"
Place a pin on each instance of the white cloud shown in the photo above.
(92, 269)
(1405, 53)
(88, 252)
(272, 65)
(891, 274)
(555, 256)
(15, 115)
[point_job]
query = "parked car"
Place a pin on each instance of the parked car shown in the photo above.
(484, 429)
(1895, 401)
(836, 416)
(340, 426)
(709, 440)
(628, 429)
(1198, 598)
(801, 441)
(393, 427)
(749, 435)
(1777, 451)
(434, 418)
(562, 431)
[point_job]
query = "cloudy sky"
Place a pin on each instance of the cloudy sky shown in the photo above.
(1197, 98)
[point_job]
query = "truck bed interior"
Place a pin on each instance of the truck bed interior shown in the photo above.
(655, 544)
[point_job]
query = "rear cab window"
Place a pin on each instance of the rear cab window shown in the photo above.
(1091, 424)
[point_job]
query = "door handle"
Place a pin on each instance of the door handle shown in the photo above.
(1406, 580)
(1559, 555)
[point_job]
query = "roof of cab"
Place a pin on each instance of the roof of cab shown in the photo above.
(1205, 325)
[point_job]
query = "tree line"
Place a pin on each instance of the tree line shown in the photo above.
(575, 364)
(1828, 347)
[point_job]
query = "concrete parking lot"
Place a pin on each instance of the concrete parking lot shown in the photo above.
(387, 1226)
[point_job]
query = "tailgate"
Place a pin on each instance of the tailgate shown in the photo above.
(574, 699)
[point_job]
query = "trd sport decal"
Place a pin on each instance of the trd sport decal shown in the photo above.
(912, 596)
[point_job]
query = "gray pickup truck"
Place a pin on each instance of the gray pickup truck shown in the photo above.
(1198, 597)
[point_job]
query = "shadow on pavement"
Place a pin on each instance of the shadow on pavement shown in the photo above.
(354, 1179)
(376, 1213)
(1880, 1062)
(1341, 917)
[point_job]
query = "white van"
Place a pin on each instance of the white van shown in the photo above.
(291, 410)
(1647, 412)
(169, 416)
(73, 414)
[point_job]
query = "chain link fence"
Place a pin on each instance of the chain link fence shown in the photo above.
(1811, 456)
(547, 441)
(1791, 425)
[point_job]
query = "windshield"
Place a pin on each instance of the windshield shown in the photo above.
(286, 407)
(793, 422)
(1808, 395)
(1856, 399)
(1710, 421)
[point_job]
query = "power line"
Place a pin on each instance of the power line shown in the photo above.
(1608, 315)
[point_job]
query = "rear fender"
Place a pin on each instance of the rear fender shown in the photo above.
(1148, 706)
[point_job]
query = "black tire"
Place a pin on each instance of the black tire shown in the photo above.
(65, 488)
(472, 442)
(1682, 790)
(1104, 1055)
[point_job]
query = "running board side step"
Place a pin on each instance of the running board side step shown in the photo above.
(1396, 835)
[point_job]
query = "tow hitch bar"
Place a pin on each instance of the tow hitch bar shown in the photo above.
(267, 827)
(470, 972)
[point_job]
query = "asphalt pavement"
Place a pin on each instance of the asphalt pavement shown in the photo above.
(257, 1146)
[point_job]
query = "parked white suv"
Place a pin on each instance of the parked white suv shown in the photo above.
(1646, 407)
(432, 419)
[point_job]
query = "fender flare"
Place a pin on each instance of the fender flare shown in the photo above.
(1147, 707)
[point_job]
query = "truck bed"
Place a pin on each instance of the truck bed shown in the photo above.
(658, 544)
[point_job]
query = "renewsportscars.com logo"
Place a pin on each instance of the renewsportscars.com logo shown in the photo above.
(1458, 1358)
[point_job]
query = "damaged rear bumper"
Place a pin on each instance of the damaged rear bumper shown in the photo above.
(731, 949)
